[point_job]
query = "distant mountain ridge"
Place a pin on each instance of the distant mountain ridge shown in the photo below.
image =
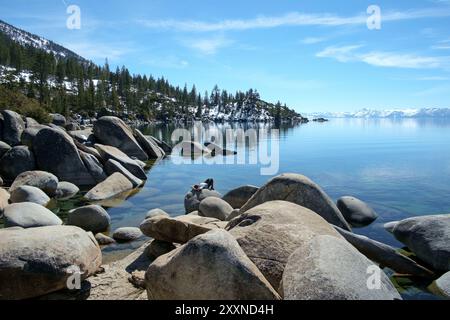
(389, 113)
(26, 38)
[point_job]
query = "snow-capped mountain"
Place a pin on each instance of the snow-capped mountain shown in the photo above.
(392, 113)
(25, 38)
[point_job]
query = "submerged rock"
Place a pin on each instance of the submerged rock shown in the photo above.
(114, 132)
(90, 218)
(302, 191)
(38, 261)
(29, 215)
(210, 266)
(356, 212)
(239, 196)
(327, 268)
(29, 194)
(113, 186)
(428, 237)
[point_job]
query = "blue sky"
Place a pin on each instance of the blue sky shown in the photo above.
(314, 55)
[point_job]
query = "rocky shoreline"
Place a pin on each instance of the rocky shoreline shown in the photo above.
(284, 240)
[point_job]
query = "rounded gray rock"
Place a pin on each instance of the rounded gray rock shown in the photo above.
(29, 215)
(90, 218)
(104, 240)
(156, 212)
(45, 181)
(213, 207)
(356, 212)
(29, 194)
(239, 196)
(127, 234)
(66, 190)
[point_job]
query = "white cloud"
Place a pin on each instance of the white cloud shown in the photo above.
(171, 61)
(384, 59)
(291, 19)
(312, 40)
(207, 46)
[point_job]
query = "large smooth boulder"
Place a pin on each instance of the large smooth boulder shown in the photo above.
(194, 197)
(271, 232)
(13, 126)
(428, 237)
(29, 194)
(326, 268)
(211, 266)
(114, 132)
(177, 230)
(108, 152)
(113, 166)
(127, 234)
(66, 190)
(29, 134)
(4, 147)
(239, 196)
(29, 215)
(213, 207)
(162, 144)
(301, 190)
(356, 212)
(113, 186)
(152, 149)
(90, 218)
(16, 161)
(385, 255)
(4, 199)
(30, 122)
(56, 153)
(38, 261)
(94, 166)
(45, 181)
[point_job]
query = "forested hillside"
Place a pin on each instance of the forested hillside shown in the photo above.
(39, 76)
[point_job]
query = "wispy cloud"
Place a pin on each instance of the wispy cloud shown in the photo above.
(207, 46)
(290, 19)
(312, 40)
(384, 59)
(99, 51)
(442, 45)
(171, 61)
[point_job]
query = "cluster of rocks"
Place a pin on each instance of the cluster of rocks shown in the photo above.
(109, 155)
(284, 240)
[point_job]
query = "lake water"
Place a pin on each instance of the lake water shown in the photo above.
(400, 167)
